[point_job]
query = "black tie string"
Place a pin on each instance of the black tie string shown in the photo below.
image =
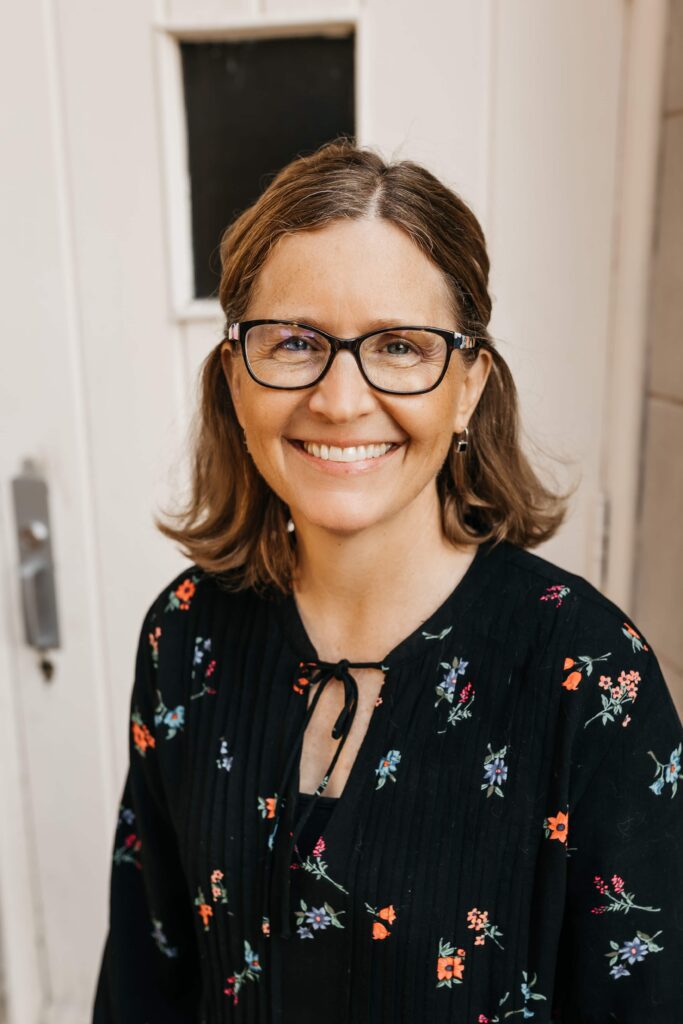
(286, 830)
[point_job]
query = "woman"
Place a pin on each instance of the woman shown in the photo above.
(385, 764)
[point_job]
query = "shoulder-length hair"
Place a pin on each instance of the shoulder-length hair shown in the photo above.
(232, 524)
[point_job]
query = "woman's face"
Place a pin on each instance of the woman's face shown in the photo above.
(343, 278)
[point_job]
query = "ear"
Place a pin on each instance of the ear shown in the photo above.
(471, 390)
(232, 369)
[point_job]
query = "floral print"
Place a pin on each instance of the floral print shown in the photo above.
(637, 643)
(142, 737)
(621, 693)
(172, 718)
(250, 972)
(180, 597)
(384, 918)
(129, 851)
(267, 805)
(583, 663)
(218, 891)
(201, 660)
(667, 774)
(479, 921)
(450, 965)
(153, 639)
(432, 847)
(316, 919)
(204, 909)
(446, 690)
(161, 940)
(387, 768)
(556, 593)
(618, 898)
(527, 994)
(495, 771)
(317, 866)
(224, 759)
(557, 826)
(631, 952)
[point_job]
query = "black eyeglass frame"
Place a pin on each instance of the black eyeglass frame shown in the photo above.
(237, 331)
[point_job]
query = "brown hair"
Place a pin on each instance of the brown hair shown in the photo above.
(232, 522)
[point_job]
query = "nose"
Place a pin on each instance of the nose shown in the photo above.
(342, 395)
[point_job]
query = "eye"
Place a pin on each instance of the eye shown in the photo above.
(397, 346)
(295, 343)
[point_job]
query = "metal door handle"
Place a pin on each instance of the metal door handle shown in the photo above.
(36, 566)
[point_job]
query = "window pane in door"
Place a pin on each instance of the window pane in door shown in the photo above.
(251, 106)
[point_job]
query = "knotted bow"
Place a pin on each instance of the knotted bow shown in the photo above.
(286, 830)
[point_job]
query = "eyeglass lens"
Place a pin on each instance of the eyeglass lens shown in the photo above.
(284, 355)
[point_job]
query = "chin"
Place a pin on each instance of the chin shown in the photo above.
(342, 520)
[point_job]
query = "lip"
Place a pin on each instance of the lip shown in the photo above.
(343, 468)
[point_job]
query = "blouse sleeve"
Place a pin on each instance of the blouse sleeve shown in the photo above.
(621, 954)
(149, 971)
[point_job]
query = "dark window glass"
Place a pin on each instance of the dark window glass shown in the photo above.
(252, 106)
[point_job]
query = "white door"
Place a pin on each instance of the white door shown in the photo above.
(516, 106)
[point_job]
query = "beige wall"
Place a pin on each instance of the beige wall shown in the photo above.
(659, 563)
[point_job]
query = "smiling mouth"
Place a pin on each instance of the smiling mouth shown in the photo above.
(354, 453)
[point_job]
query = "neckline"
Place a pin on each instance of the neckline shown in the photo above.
(479, 570)
(326, 801)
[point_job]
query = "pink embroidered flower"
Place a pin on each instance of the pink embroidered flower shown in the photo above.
(319, 848)
(617, 883)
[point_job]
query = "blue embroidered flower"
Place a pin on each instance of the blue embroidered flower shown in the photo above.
(634, 950)
(387, 767)
(318, 917)
(618, 971)
(496, 771)
(172, 718)
(673, 769)
(175, 717)
(667, 774)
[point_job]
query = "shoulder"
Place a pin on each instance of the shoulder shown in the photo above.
(557, 591)
(191, 591)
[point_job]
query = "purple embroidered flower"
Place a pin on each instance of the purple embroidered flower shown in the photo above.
(634, 950)
(318, 917)
(304, 932)
(618, 971)
(495, 771)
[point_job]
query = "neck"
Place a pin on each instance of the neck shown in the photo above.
(359, 594)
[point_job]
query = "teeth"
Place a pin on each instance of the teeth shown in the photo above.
(352, 454)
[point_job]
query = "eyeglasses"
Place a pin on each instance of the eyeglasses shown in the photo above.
(287, 355)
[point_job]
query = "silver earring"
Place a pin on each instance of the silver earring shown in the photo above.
(463, 442)
(290, 526)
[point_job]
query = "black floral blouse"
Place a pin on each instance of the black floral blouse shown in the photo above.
(507, 845)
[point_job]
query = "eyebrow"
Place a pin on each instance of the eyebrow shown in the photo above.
(378, 322)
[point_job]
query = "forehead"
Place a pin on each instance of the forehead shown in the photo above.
(351, 270)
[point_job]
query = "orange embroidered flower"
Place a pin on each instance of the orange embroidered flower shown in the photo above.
(379, 931)
(572, 681)
(142, 737)
(270, 807)
(449, 967)
(205, 912)
(557, 826)
(185, 593)
(387, 914)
